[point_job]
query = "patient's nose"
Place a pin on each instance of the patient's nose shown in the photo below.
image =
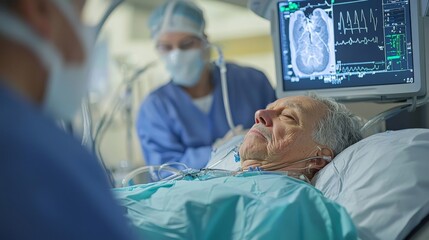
(264, 116)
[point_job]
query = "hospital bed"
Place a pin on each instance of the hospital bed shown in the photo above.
(381, 181)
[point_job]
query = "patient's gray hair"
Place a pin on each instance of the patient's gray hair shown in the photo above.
(339, 128)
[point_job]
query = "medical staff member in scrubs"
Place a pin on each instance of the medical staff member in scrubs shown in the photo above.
(51, 188)
(180, 121)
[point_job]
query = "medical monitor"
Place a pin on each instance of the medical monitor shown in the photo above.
(350, 49)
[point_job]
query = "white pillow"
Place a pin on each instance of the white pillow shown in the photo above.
(383, 182)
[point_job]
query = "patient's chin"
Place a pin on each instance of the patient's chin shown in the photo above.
(252, 156)
(253, 150)
(245, 165)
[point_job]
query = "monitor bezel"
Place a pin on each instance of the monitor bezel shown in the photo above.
(389, 92)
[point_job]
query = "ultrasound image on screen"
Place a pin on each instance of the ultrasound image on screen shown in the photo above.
(334, 44)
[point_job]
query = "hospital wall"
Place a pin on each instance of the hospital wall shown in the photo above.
(126, 41)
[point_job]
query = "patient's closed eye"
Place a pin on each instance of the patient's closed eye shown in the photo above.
(288, 117)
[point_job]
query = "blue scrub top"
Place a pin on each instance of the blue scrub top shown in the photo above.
(172, 128)
(51, 188)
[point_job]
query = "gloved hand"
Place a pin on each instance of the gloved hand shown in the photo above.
(238, 130)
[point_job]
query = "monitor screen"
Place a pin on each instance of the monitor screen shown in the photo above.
(349, 48)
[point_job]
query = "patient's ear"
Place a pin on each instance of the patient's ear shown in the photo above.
(326, 152)
(320, 162)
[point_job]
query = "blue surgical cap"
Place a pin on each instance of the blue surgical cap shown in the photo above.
(177, 16)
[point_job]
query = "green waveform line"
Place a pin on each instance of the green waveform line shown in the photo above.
(292, 7)
(393, 57)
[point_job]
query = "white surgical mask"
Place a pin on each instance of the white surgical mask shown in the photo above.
(185, 66)
(67, 83)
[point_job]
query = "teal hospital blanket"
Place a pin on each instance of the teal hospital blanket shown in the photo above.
(261, 206)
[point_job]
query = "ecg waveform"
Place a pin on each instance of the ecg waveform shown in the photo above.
(359, 69)
(325, 4)
(358, 23)
(364, 40)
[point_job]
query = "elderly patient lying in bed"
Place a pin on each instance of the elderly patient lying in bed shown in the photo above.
(294, 134)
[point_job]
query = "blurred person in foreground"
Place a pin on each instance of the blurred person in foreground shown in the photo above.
(52, 188)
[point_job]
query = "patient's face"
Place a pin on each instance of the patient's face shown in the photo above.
(282, 133)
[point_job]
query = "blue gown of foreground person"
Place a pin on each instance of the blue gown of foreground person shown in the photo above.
(250, 206)
(172, 129)
(51, 187)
